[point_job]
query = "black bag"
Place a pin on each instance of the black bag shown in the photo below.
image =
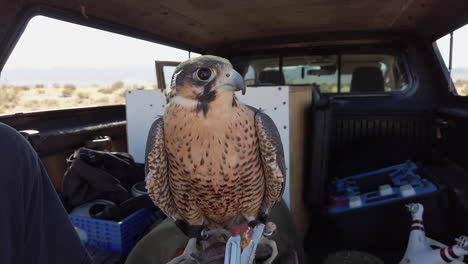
(99, 175)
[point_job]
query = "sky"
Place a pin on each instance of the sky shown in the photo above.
(48, 44)
(51, 49)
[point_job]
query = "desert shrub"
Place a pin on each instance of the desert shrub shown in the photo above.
(40, 86)
(22, 88)
(106, 90)
(9, 95)
(114, 87)
(118, 85)
(32, 105)
(41, 91)
(68, 90)
(9, 98)
(138, 87)
(69, 86)
(83, 95)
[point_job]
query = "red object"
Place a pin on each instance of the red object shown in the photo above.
(443, 256)
(418, 222)
(417, 228)
(179, 252)
(239, 229)
(245, 232)
(451, 253)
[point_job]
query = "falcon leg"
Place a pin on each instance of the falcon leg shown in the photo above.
(254, 221)
(249, 218)
(268, 232)
(190, 254)
(270, 229)
(225, 233)
(190, 230)
(274, 248)
(213, 232)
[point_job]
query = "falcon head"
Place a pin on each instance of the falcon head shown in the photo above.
(201, 80)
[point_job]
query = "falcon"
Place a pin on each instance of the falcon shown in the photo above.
(211, 158)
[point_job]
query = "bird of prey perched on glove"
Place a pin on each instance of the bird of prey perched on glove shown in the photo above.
(211, 158)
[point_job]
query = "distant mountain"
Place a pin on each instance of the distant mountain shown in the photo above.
(130, 74)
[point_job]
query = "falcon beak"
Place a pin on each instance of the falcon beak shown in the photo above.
(234, 82)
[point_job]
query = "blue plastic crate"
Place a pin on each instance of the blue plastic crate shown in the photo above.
(365, 187)
(116, 236)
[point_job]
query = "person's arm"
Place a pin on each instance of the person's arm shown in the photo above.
(34, 225)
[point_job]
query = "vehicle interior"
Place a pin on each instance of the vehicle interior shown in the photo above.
(369, 88)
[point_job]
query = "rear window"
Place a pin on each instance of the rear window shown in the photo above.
(305, 70)
(347, 73)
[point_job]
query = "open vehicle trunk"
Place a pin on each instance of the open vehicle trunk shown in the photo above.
(363, 134)
(370, 139)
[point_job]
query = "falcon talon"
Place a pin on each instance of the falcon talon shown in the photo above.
(270, 229)
(204, 234)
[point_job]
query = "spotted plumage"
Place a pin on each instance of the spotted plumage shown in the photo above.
(211, 158)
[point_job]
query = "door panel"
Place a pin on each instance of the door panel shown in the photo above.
(452, 127)
(56, 134)
(367, 140)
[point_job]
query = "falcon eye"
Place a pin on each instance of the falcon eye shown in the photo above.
(204, 74)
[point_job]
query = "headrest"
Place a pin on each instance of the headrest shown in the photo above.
(367, 80)
(271, 77)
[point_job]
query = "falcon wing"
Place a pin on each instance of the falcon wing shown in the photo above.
(157, 170)
(272, 157)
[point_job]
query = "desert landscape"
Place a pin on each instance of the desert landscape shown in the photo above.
(39, 97)
(462, 87)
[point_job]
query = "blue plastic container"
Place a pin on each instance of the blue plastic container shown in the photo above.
(365, 186)
(116, 236)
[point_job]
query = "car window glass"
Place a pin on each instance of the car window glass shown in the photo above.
(57, 65)
(259, 71)
(305, 70)
(357, 73)
(371, 73)
(168, 71)
(458, 65)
